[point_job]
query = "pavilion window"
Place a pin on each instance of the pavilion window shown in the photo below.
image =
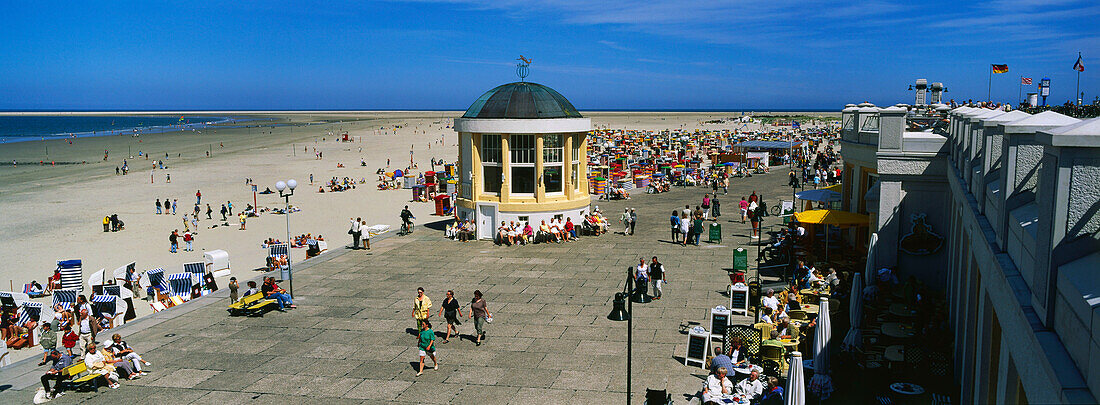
(522, 150)
(491, 168)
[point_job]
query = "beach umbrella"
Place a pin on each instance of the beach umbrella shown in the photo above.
(796, 384)
(820, 194)
(854, 339)
(869, 269)
(821, 384)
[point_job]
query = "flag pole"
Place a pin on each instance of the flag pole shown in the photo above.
(1020, 90)
(989, 90)
(1077, 94)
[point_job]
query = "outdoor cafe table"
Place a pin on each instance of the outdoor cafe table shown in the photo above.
(809, 308)
(895, 353)
(790, 344)
(897, 330)
(902, 310)
(748, 369)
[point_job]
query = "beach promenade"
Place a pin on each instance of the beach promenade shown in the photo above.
(350, 340)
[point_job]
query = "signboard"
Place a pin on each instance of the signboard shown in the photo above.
(739, 299)
(253, 188)
(698, 344)
(740, 259)
(719, 322)
(716, 232)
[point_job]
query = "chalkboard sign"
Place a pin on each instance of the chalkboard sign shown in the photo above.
(740, 259)
(698, 344)
(716, 232)
(739, 299)
(719, 322)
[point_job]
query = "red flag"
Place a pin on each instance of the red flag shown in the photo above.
(1079, 65)
(1025, 81)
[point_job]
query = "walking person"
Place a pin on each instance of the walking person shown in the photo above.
(158, 206)
(209, 211)
(480, 312)
(173, 206)
(198, 197)
(451, 311)
(355, 232)
(224, 211)
(106, 223)
(625, 219)
(675, 221)
(186, 224)
(753, 220)
(706, 204)
(633, 220)
(173, 239)
(685, 229)
(744, 209)
(715, 207)
(426, 344)
(187, 239)
(657, 274)
(198, 210)
(229, 204)
(422, 307)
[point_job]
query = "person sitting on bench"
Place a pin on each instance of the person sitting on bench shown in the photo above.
(272, 291)
(56, 372)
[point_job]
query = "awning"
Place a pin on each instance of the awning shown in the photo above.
(834, 187)
(832, 217)
(822, 195)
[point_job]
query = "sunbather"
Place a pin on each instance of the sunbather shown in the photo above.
(123, 351)
(97, 363)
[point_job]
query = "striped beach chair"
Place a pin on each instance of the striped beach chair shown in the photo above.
(65, 298)
(276, 250)
(156, 282)
(180, 285)
(27, 310)
(72, 274)
(196, 270)
(104, 305)
(115, 290)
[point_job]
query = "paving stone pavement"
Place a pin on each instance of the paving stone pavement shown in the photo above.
(351, 339)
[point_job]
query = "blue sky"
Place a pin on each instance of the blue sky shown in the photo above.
(600, 54)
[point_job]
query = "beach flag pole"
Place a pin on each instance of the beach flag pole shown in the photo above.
(989, 90)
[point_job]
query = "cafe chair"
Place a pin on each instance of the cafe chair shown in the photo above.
(771, 368)
(798, 315)
(657, 397)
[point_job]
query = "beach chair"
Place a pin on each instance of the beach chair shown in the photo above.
(158, 306)
(79, 376)
(252, 305)
(179, 285)
(105, 304)
(155, 278)
(276, 250)
(65, 298)
(72, 274)
(27, 290)
(196, 270)
(24, 314)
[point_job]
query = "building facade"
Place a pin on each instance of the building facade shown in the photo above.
(1016, 200)
(522, 157)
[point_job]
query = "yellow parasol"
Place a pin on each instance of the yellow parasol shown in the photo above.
(834, 187)
(832, 217)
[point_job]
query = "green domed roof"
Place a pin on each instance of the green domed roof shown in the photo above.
(522, 100)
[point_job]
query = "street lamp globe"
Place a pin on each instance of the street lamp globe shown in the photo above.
(280, 185)
(292, 184)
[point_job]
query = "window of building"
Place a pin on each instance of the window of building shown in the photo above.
(491, 168)
(575, 178)
(522, 150)
(553, 154)
(576, 161)
(552, 149)
(523, 179)
(551, 178)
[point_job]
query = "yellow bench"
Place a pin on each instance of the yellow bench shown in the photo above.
(252, 305)
(74, 373)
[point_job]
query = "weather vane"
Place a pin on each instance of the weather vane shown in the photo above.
(521, 67)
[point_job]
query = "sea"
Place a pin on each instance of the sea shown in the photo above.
(18, 128)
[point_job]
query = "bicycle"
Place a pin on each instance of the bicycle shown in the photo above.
(777, 209)
(406, 228)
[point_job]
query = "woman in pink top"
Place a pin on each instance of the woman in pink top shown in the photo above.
(744, 209)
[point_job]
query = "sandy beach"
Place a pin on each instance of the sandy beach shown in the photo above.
(54, 212)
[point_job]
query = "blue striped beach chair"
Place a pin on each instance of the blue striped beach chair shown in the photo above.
(72, 274)
(155, 278)
(65, 298)
(104, 305)
(28, 309)
(276, 250)
(180, 285)
(196, 270)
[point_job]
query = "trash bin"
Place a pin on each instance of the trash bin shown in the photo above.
(715, 232)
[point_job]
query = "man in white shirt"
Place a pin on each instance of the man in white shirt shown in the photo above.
(751, 387)
(718, 386)
(770, 301)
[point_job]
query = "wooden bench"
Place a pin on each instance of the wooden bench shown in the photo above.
(76, 379)
(252, 305)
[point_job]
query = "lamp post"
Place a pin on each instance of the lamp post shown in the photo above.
(618, 313)
(288, 187)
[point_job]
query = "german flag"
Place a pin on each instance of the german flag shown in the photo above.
(1000, 68)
